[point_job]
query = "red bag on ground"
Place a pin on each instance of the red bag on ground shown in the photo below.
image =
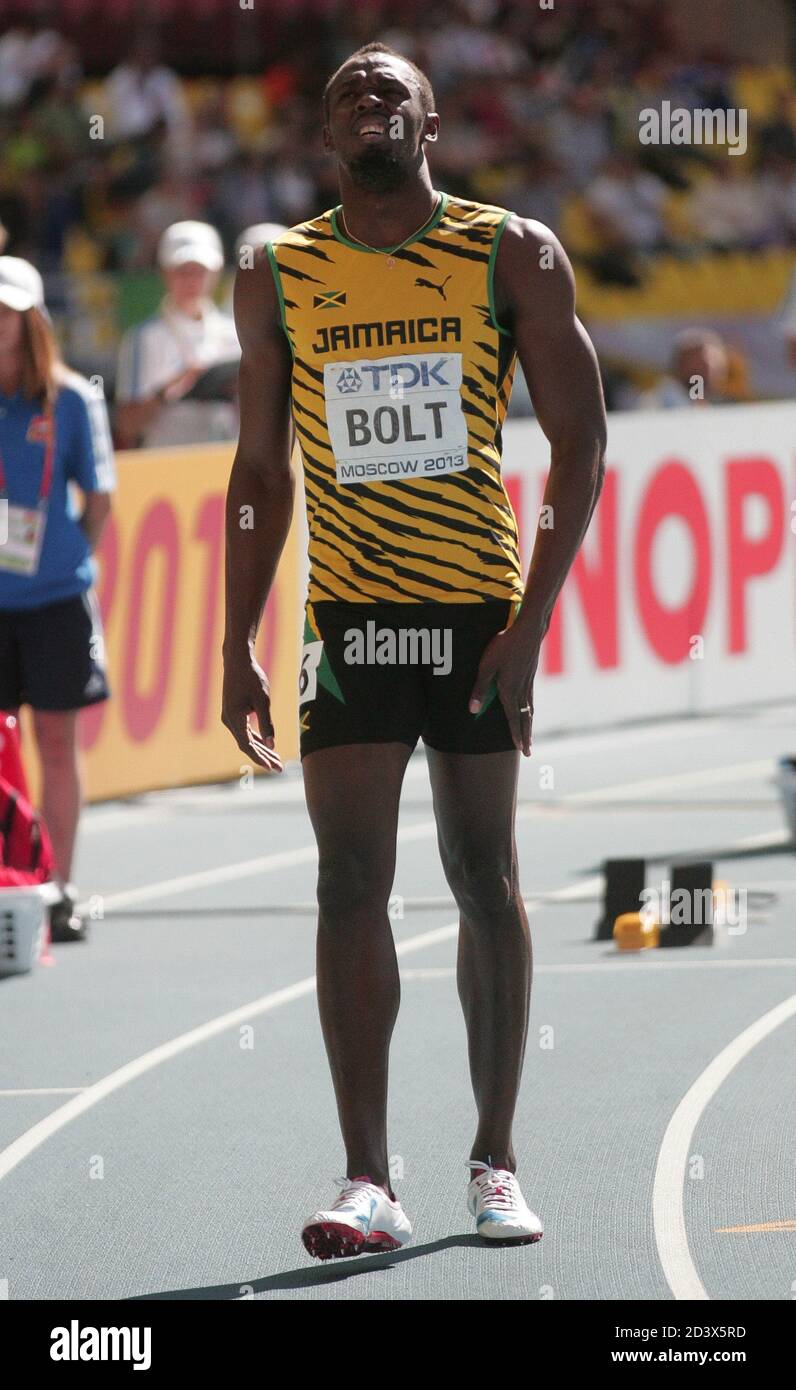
(11, 765)
(26, 854)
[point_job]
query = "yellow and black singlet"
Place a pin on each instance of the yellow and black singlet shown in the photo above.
(401, 382)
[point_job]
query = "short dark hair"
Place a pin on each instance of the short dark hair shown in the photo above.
(426, 90)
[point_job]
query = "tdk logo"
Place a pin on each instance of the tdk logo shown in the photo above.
(349, 380)
(400, 376)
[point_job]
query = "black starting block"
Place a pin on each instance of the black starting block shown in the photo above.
(691, 906)
(624, 884)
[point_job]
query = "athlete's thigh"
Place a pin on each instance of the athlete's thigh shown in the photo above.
(351, 692)
(353, 793)
(475, 797)
(449, 727)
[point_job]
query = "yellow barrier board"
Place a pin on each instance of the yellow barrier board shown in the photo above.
(161, 590)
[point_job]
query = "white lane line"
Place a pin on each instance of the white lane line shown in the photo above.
(732, 772)
(630, 964)
(765, 840)
(39, 1133)
(204, 878)
(289, 858)
(438, 972)
(46, 1091)
(170, 803)
(668, 1213)
(265, 791)
(264, 863)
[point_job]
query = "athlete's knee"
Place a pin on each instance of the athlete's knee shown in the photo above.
(484, 885)
(351, 883)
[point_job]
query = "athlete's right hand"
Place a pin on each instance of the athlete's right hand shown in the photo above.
(246, 691)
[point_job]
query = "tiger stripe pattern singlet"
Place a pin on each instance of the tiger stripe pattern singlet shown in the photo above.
(400, 384)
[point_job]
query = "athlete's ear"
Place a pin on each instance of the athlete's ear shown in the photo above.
(431, 126)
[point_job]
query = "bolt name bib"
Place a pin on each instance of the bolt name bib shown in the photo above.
(396, 417)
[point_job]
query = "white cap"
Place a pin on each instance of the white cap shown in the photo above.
(258, 235)
(21, 285)
(190, 241)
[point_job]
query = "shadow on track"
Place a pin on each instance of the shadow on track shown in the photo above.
(331, 1272)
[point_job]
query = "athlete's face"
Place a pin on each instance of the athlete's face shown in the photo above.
(376, 123)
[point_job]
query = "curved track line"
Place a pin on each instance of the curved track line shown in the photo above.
(39, 1133)
(668, 1213)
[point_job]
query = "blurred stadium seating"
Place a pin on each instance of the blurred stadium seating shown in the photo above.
(533, 103)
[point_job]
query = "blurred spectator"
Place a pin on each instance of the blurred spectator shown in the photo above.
(214, 143)
(162, 360)
(141, 92)
(729, 209)
(777, 136)
(535, 104)
(464, 46)
(53, 432)
(579, 136)
(57, 115)
(27, 52)
(534, 187)
(243, 193)
(539, 112)
(627, 205)
(697, 376)
(172, 199)
(779, 192)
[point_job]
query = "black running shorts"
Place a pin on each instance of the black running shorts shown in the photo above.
(396, 672)
(52, 657)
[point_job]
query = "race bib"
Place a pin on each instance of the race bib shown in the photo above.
(21, 535)
(398, 417)
(308, 675)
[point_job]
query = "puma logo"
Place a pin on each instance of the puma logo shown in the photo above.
(422, 284)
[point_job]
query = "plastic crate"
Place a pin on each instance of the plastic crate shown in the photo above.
(23, 916)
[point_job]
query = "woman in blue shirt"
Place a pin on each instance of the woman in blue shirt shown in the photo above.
(53, 431)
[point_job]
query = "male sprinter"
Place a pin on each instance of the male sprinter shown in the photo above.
(391, 325)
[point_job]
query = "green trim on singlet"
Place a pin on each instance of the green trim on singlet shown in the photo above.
(490, 276)
(388, 250)
(278, 282)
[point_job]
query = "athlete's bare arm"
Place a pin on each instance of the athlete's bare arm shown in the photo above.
(261, 480)
(535, 300)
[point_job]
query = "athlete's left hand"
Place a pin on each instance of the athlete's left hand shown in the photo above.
(510, 660)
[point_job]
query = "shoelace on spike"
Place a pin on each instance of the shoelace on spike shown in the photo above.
(354, 1192)
(497, 1186)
